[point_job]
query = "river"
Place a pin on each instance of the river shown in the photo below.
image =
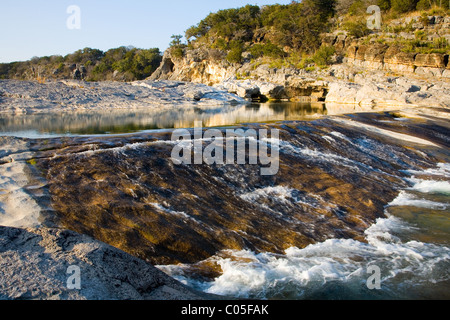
(359, 209)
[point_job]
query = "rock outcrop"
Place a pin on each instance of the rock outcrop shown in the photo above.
(380, 57)
(32, 97)
(370, 90)
(260, 83)
(385, 49)
(55, 264)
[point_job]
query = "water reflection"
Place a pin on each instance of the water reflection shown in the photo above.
(127, 121)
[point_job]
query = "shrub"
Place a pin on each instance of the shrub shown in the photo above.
(235, 55)
(356, 29)
(384, 4)
(268, 49)
(322, 57)
(221, 44)
(177, 52)
(403, 6)
(357, 8)
(237, 48)
(440, 43)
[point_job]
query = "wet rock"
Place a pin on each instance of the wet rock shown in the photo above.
(129, 194)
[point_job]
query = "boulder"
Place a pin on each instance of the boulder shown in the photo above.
(246, 89)
(329, 39)
(375, 52)
(340, 42)
(432, 60)
(446, 73)
(394, 55)
(165, 69)
(429, 72)
(197, 95)
(361, 52)
(398, 61)
(272, 91)
(351, 52)
(77, 75)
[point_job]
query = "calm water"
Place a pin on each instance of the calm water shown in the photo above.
(123, 121)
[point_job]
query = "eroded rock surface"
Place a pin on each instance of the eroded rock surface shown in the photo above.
(35, 265)
(32, 97)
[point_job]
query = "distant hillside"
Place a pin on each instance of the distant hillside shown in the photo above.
(120, 64)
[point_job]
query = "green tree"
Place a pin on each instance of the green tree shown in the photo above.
(403, 6)
(384, 4)
(235, 54)
(176, 40)
(267, 49)
(323, 55)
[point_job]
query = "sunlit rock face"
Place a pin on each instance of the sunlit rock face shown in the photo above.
(335, 176)
(26, 97)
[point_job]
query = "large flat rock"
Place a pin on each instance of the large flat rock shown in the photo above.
(32, 97)
(35, 263)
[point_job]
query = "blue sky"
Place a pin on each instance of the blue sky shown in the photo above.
(31, 28)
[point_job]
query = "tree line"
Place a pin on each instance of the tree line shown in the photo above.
(122, 64)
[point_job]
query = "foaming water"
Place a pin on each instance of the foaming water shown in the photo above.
(431, 186)
(408, 269)
(407, 199)
(413, 263)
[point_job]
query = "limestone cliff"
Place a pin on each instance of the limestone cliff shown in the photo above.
(376, 60)
(261, 82)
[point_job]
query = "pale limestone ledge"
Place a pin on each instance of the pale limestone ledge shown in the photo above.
(35, 263)
(55, 96)
(374, 90)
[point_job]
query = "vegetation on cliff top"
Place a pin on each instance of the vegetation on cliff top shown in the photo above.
(271, 31)
(290, 35)
(278, 35)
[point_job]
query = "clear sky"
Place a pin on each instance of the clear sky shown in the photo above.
(31, 28)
